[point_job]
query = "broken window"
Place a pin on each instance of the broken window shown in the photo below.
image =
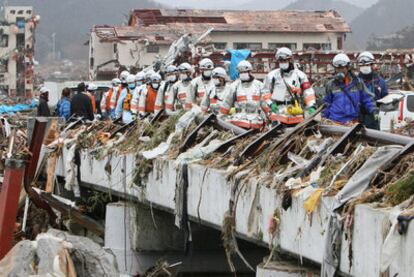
(13, 12)
(91, 62)
(4, 66)
(115, 48)
(254, 46)
(220, 45)
(20, 22)
(410, 103)
(275, 46)
(29, 12)
(317, 46)
(4, 40)
(340, 44)
(152, 48)
(20, 12)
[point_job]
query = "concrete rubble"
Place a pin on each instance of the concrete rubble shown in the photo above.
(57, 253)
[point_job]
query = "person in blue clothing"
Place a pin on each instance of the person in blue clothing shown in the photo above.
(375, 84)
(346, 97)
(63, 106)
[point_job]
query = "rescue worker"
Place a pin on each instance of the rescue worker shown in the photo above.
(139, 86)
(182, 88)
(214, 97)
(63, 106)
(375, 84)
(242, 105)
(115, 96)
(346, 95)
(165, 95)
(202, 83)
(148, 96)
(123, 108)
(148, 75)
(81, 105)
(106, 98)
(286, 89)
(91, 88)
(43, 107)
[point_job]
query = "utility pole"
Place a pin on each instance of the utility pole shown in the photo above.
(54, 45)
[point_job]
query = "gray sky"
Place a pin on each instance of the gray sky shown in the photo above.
(234, 3)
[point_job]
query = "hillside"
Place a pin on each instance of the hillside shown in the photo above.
(346, 10)
(265, 5)
(385, 17)
(72, 20)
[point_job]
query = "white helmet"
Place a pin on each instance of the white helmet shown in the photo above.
(115, 82)
(124, 74)
(219, 72)
(185, 67)
(244, 66)
(149, 73)
(171, 69)
(130, 79)
(341, 60)
(44, 90)
(155, 77)
(140, 76)
(92, 87)
(206, 64)
(366, 58)
(283, 53)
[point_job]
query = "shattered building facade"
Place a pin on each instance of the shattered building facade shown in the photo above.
(150, 33)
(17, 30)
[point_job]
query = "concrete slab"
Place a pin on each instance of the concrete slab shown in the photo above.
(300, 234)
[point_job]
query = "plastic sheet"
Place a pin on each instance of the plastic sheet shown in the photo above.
(11, 109)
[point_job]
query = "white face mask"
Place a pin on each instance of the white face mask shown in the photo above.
(284, 66)
(155, 85)
(207, 73)
(217, 82)
(183, 76)
(365, 69)
(245, 76)
(171, 78)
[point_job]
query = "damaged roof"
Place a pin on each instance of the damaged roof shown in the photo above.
(242, 21)
(154, 33)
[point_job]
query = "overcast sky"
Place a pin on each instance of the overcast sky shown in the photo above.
(231, 3)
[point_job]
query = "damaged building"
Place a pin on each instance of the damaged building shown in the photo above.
(17, 37)
(150, 33)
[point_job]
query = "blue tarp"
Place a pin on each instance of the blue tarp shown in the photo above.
(17, 108)
(236, 57)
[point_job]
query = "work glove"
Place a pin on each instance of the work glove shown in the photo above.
(311, 110)
(274, 108)
(141, 116)
(232, 111)
(376, 117)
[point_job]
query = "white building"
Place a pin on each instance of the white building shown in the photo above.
(16, 50)
(150, 32)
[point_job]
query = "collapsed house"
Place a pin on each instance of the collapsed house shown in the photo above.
(150, 33)
(340, 197)
(17, 37)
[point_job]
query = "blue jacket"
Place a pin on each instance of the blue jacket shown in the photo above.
(375, 84)
(344, 103)
(63, 108)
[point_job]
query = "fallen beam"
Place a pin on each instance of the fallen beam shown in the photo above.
(87, 222)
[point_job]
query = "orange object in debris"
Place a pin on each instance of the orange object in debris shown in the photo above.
(150, 100)
(108, 99)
